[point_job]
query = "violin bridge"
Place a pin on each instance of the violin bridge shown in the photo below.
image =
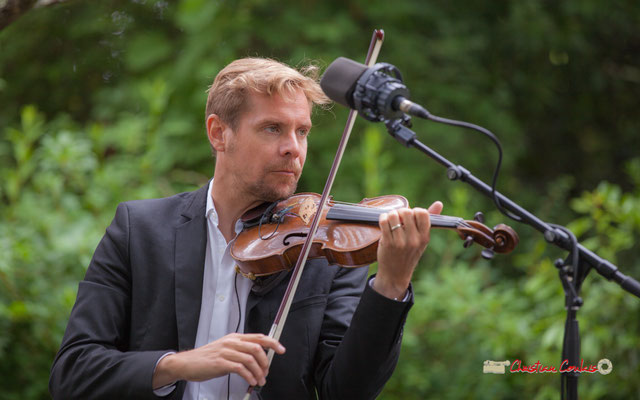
(307, 210)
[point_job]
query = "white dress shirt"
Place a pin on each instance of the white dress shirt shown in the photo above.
(220, 310)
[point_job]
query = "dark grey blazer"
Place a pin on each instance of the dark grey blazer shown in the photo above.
(141, 297)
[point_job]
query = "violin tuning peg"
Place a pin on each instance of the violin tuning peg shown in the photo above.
(468, 241)
(479, 216)
(487, 254)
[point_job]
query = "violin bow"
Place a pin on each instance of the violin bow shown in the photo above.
(283, 311)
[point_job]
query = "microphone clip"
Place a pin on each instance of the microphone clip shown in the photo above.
(376, 90)
(399, 130)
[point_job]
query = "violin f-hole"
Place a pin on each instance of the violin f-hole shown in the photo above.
(285, 241)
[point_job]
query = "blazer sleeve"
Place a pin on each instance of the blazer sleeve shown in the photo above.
(358, 365)
(94, 360)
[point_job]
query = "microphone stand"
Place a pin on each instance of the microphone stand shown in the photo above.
(572, 271)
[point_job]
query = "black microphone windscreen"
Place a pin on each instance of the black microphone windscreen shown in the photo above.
(339, 80)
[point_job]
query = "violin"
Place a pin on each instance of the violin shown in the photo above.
(347, 235)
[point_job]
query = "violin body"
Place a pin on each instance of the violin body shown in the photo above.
(271, 247)
(347, 234)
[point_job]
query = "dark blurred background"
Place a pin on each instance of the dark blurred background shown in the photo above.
(103, 101)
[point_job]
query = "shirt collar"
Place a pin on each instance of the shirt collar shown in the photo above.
(211, 212)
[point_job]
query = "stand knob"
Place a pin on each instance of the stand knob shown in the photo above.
(453, 173)
(550, 236)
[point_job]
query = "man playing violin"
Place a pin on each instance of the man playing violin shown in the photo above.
(163, 313)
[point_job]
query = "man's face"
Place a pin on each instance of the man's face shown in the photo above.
(266, 152)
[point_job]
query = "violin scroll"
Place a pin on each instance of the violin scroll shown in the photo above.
(505, 237)
(501, 239)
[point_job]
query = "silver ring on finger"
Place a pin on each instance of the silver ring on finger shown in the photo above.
(396, 226)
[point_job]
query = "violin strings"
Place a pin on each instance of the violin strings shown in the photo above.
(346, 210)
(365, 208)
(356, 205)
(370, 211)
(374, 210)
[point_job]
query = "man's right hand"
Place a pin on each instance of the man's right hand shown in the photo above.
(239, 353)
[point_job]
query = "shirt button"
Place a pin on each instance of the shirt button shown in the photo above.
(221, 297)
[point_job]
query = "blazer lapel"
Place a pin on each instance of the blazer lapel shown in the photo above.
(191, 242)
(260, 294)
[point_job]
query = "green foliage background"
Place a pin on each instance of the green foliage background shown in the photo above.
(102, 102)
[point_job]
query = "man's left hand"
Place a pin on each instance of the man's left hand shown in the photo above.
(405, 235)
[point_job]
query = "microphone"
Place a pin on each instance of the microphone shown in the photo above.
(377, 93)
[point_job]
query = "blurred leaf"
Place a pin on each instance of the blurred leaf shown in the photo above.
(147, 50)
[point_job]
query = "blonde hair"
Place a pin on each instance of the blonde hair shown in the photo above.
(227, 94)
